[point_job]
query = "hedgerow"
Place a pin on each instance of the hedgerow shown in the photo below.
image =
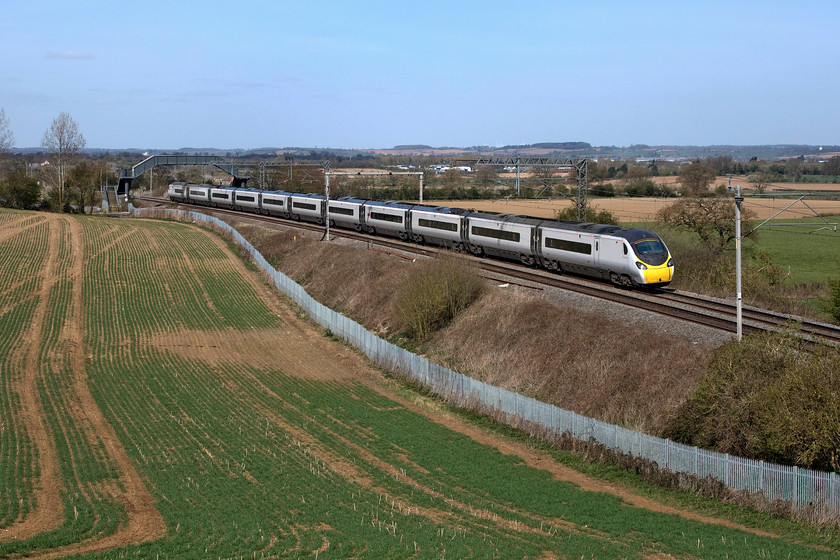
(768, 397)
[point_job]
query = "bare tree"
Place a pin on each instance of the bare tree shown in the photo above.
(793, 169)
(485, 175)
(64, 141)
(760, 179)
(83, 183)
(696, 179)
(713, 219)
(7, 139)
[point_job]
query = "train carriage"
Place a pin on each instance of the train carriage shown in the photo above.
(309, 207)
(440, 225)
(222, 197)
(347, 212)
(247, 200)
(503, 235)
(275, 203)
(568, 246)
(199, 194)
(177, 191)
(622, 256)
(389, 218)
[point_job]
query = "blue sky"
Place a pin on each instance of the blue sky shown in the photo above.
(375, 74)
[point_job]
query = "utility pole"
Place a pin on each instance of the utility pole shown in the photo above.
(326, 204)
(738, 304)
(518, 165)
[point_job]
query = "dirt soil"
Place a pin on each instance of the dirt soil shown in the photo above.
(144, 521)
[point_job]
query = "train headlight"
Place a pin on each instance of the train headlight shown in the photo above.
(641, 266)
(671, 262)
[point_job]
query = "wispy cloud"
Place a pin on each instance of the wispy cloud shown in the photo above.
(69, 55)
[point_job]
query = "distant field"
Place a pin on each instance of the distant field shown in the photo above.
(643, 209)
(160, 401)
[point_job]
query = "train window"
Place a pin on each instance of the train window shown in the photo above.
(572, 246)
(625, 248)
(304, 206)
(344, 211)
(220, 195)
(245, 198)
(447, 226)
(272, 202)
(495, 233)
(386, 217)
(648, 247)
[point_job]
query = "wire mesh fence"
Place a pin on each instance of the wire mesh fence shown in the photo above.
(802, 488)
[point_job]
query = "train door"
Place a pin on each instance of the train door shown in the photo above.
(609, 255)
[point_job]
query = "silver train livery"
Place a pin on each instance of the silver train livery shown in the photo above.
(625, 256)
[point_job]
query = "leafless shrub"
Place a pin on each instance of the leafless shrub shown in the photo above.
(433, 295)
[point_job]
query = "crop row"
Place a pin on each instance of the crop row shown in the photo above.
(84, 467)
(23, 257)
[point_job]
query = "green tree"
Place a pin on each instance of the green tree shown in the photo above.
(722, 165)
(696, 179)
(434, 294)
(768, 398)
(451, 176)
(19, 190)
(64, 143)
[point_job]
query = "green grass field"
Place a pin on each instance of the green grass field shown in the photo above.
(245, 460)
(812, 256)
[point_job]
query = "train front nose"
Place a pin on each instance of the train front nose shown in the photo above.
(661, 274)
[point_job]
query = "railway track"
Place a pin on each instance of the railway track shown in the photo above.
(694, 308)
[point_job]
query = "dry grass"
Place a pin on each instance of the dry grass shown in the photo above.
(357, 282)
(584, 362)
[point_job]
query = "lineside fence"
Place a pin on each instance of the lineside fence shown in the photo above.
(802, 488)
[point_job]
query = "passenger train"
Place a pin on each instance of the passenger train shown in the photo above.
(625, 256)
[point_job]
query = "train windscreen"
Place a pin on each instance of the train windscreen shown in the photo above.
(651, 251)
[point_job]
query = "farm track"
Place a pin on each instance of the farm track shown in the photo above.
(47, 507)
(693, 308)
(72, 439)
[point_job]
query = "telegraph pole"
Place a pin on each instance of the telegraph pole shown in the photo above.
(738, 305)
(326, 204)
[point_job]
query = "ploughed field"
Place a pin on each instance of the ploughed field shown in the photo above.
(159, 400)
